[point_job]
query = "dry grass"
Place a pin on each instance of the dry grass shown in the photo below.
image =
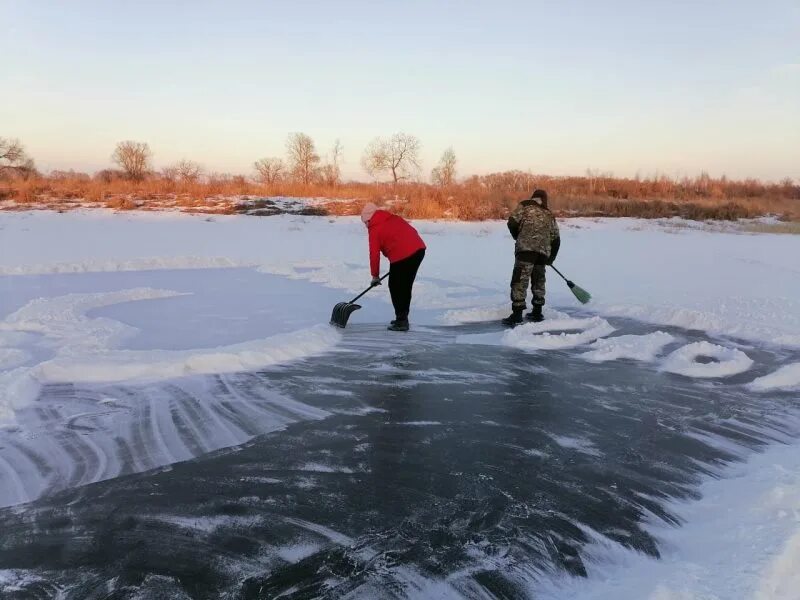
(476, 198)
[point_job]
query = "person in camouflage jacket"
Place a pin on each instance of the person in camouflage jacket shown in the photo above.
(535, 230)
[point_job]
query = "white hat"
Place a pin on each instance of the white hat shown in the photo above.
(367, 212)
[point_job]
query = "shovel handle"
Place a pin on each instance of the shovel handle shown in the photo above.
(569, 283)
(366, 290)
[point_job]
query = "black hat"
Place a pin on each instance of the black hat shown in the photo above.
(541, 195)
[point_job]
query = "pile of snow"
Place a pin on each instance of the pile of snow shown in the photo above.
(785, 378)
(727, 361)
(557, 334)
(643, 348)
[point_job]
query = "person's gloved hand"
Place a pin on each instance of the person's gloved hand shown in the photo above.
(375, 281)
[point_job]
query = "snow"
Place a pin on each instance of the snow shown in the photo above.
(643, 348)
(726, 361)
(785, 378)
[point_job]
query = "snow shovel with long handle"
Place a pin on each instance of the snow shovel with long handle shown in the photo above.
(343, 310)
(581, 294)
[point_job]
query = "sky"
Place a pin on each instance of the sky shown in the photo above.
(624, 87)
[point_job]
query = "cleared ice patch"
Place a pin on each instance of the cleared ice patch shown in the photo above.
(785, 378)
(644, 348)
(726, 361)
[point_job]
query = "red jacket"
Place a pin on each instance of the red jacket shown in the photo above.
(393, 236)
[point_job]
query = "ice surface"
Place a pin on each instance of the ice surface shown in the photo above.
(726, 361)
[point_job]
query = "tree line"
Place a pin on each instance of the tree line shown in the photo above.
(396, 158)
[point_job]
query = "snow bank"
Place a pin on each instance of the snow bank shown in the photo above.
(785, 378)
(727, 361)
(644, 348)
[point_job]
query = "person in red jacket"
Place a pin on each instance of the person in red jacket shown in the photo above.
(401, 244)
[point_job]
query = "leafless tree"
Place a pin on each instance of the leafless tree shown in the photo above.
(14, 160)
(270, 170)
(187, 171)
(133, 158)
(398, 155)
(444, 173)
(303, 157)
(331, 172)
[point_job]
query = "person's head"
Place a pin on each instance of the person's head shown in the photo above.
(540, 196)
(367, 212)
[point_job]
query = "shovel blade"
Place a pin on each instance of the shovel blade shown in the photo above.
(341, 313)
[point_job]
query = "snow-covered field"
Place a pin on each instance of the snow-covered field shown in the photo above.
(144, 299)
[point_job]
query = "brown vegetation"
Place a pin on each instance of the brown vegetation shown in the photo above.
(477, 198)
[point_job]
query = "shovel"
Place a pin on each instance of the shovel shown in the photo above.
(343, 310)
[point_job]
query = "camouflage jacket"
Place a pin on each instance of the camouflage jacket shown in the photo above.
(535, 230)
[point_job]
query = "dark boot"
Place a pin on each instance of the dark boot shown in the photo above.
(515, 318)
(399, 325)
(536, 314)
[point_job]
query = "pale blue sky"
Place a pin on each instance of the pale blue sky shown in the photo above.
(555, 87)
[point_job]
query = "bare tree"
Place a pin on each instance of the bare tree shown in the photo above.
(270, 170)
(188, 171)
(14, 160)
(398, 155)
(133, 158)
(444, 173)
(303, 157)
(331, 172)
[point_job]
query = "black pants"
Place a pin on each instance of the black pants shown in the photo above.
(401, 280)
